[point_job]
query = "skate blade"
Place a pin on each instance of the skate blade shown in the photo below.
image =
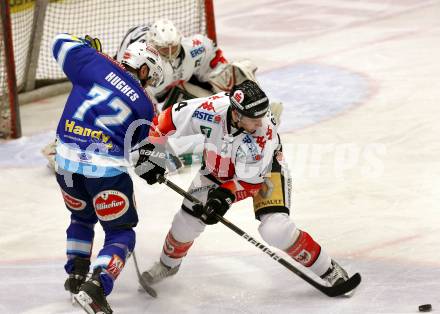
(85, 302)
(349, 294)
(72, 299)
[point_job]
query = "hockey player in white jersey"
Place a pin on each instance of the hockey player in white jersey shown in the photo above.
(242, 157)
(195, 57)
(193, 67)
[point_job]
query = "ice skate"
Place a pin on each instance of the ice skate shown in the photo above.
(158, 272)
(336, 275)
(91, 296)
(78, 275)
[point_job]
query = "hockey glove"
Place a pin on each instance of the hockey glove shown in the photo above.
(95, 43)
(218, 203)
(151, 163)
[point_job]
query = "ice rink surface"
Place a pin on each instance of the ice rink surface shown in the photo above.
(361, 89)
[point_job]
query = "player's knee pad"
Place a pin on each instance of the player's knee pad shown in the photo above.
(278, 230)
(185, 227)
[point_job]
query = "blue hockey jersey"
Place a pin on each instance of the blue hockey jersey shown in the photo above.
(101, 119)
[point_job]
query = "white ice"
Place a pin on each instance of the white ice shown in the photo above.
(360, 84)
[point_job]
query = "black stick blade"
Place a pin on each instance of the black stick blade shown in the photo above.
(344, 287)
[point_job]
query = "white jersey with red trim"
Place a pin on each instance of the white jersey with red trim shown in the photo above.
(229, 154)
(199, 56)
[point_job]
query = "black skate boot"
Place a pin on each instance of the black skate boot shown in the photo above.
(78, 275)
(91, 295)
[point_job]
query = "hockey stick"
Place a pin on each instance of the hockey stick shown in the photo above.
(148, 289)
(333, 291)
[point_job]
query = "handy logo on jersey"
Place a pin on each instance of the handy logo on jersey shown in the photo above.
(205, 116)
(110, 204)
(73, 202)
(197, 51)
(72, 127)
(115, 266)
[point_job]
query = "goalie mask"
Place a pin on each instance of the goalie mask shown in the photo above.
(166, 38)
(139, 53)
(249, 100)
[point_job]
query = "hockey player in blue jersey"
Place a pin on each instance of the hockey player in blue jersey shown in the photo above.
(106, 114)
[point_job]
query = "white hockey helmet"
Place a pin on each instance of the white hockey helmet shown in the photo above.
(139, 53)
(165, 37)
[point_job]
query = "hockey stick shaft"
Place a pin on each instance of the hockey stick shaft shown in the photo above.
(329, 291)
(142, 282)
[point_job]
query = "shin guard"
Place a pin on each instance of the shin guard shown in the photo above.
(305, 250)
(173, 250)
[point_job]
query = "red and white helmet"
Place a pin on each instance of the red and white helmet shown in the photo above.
(165, 37)
(139, 53)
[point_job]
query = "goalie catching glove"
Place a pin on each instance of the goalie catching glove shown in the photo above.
(151, 163)
(95, 43)
(218, 203)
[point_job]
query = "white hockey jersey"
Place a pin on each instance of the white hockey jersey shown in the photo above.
(199, 56)
(238, 160)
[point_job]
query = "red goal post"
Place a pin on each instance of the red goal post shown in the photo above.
(34, 24)
(9, 111)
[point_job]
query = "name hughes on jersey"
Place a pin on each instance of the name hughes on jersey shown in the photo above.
(117, 82)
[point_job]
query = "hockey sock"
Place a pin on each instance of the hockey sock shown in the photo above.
(174, 251)
(112, 257)
(305, 250)
(79, 241)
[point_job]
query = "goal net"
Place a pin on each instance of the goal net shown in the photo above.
(36, 22)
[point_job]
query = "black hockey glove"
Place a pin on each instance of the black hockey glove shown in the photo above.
(95, 43)
(151, 162)
(219, 201)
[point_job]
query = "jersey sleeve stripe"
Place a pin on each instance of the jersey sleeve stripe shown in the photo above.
(64, 49)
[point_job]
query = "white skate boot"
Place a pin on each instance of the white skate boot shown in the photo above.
(335, 274)
(158, 272)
